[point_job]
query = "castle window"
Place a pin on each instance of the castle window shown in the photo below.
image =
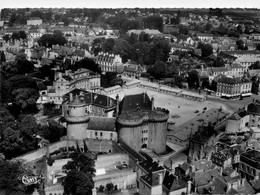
(95, 133)
(101, 134)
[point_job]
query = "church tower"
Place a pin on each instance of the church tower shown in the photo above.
(77, 120)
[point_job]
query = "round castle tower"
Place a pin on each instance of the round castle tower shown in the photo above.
(77, 120)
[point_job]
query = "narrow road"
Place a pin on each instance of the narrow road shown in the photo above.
(234, 105)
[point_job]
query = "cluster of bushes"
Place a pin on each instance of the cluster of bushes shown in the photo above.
(110, 187)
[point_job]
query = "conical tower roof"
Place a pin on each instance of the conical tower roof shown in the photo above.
(77, 102)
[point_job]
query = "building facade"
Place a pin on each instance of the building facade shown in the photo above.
(230, 87)
(65, 82)
(140, 125)
(249, 164)
(109, 62)
(34, 21)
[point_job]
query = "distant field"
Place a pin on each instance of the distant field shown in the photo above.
(181, 110)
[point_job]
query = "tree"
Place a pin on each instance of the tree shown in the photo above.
(108, 45)
(22, 34)
(15, 36)
(6, 38)
(158, 71)
(2, 57)
(28, 127)
(10, 142)
(153, 22)
(80, 173)
(10, 173)
(56, 38)
(24, 66)
(59, 38)
(101, 188)
(183, 30)
(132, 39)
(258, 47)
(23, 92)
(53, 132)
(159, 50)
(122, 48)
(144, 37)
(255, 85)
(219, 62)
(208, 27)
(87, 63)
(241, 45)
(110, 186)
(206, 49)
(255, 65)
(26, 99)
(50, 110)
(108, 79)
(141, 53)
(193, 79)
(17, 135)
(65, 21)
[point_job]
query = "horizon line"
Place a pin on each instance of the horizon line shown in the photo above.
(132, 7)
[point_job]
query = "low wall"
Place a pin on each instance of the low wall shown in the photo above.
(122, 179)
(106, 146)
(109, 160)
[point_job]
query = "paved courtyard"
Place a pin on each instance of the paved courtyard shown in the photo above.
(181, 109)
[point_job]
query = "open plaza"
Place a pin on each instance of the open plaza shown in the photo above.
(181, 109)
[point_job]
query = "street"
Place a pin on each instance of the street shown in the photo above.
(234, 105)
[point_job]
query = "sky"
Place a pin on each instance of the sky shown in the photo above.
(130, 3)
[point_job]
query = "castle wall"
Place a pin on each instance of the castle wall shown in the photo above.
(93, 145)
(131, 136)
(153, 134)
(157, 136)
(77, 131)
(103, 135)
(77, 111)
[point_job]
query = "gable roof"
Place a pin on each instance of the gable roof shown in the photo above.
(254, 108)
(202, 164)
(172, 183)
(132, 102)
(150, 166)
(151, 179)
(229, 80)
(41, 86)
(203, 136)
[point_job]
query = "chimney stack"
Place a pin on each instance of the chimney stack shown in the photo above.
(160, 178)
(228, 186)
(152, 100)
(189, 188)
(71, 97)
(117, 104)
(243, 182)
(94, 191)
(192, 169)
(221, 171)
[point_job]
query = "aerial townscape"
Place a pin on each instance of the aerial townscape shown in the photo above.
(129, 101)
